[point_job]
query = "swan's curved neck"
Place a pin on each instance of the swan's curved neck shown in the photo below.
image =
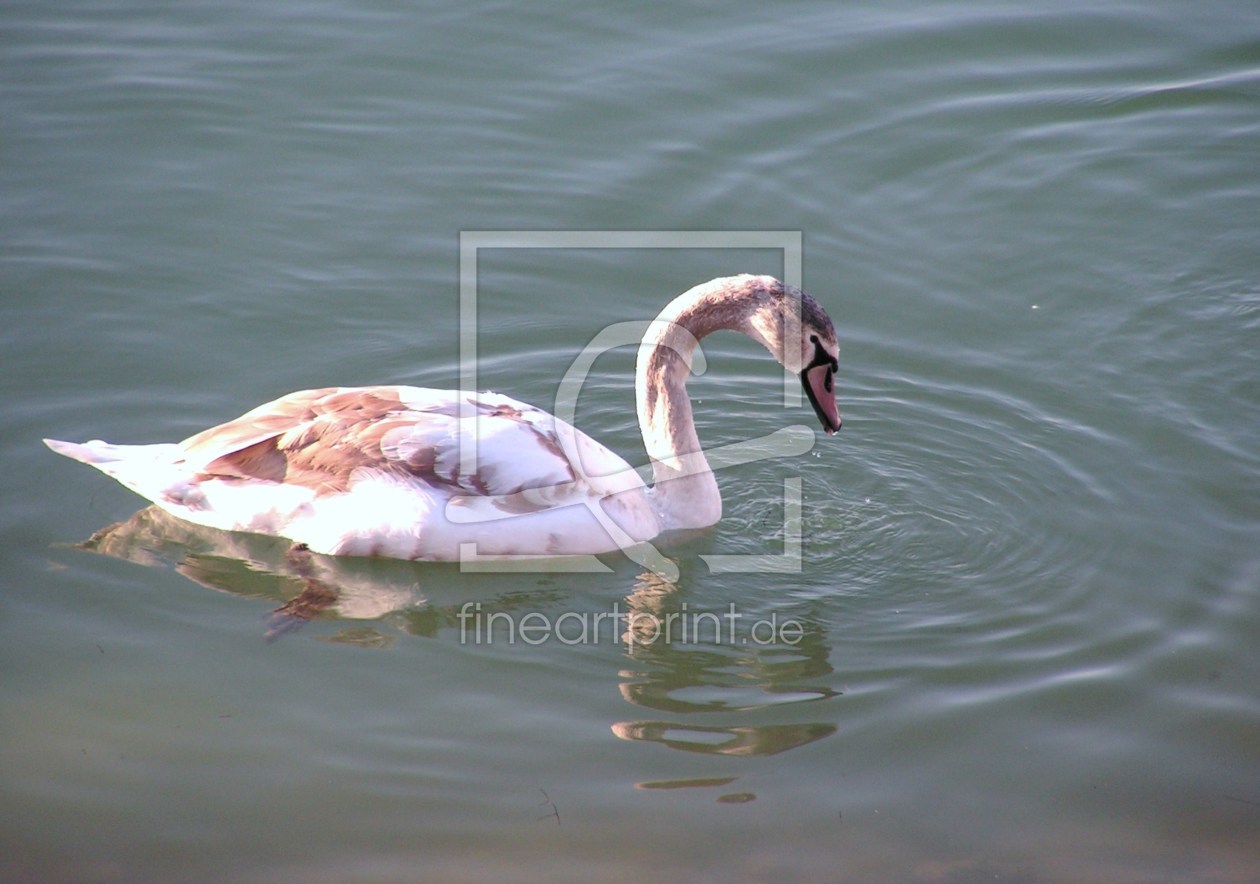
(685, 490)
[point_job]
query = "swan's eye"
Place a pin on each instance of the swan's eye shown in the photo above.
(821, 356)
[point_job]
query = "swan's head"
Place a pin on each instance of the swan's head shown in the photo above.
(788, 322)
(798, 331)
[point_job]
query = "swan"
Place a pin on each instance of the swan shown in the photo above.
(378, 471)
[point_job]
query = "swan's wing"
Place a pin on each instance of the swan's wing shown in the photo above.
(257, 425)
(324, 439)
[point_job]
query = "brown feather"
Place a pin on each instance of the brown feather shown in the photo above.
(319, 438)
(316, 438)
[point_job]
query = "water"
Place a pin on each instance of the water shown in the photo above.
(1030, 598)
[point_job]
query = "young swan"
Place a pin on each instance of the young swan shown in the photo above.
(378, 470)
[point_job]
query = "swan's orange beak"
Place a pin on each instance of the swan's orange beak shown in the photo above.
(819, 387)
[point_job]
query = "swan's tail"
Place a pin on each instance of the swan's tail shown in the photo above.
(147, 470)
(162, 474)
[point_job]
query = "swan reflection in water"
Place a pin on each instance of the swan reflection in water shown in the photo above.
(255, 566)
(722, 673)
(708, 676)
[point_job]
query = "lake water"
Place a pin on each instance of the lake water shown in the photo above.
(1027, 613)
